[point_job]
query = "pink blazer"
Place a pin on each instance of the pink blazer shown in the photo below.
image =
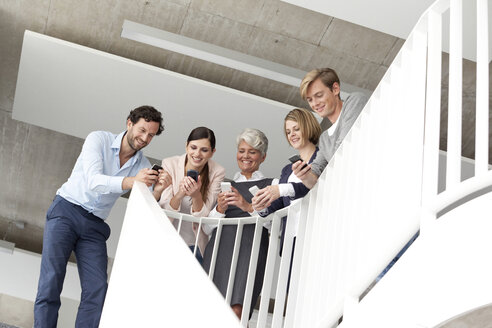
(175, 167)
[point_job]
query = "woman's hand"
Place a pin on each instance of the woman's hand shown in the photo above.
(265, 197)
(190, 187)
(235, 198)
(222, 201)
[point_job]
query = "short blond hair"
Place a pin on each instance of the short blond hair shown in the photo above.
(327, 75)
(310, 128)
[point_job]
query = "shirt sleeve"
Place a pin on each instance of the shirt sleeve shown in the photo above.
(320, 162)
(208, 228)
(92, 158)
(286, 190)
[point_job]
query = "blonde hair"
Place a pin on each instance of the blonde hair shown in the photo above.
(327, 75)
(310, 128)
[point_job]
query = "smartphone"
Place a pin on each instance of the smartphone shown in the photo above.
(193, 174)
(225, 186)
(296, 158)
(253, 190)
(156, 167)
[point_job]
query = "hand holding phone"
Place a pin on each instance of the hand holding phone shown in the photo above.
(193, 174)
(156, 168)
(296, 158)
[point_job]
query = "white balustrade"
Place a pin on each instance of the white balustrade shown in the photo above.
(378, 190)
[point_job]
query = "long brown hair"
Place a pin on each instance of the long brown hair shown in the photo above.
(197, 134)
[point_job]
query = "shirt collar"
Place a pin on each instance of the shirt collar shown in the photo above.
(257, 175)
(117, 142)
(117, 145)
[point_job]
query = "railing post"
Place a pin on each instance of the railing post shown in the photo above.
(482, 114)
(453, 164)
(432, 112)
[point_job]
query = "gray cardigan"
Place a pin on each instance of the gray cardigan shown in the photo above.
(328, 145)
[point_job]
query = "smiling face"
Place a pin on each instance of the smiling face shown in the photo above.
(141, 133)
(323, 101)
(294, 134)
(198, 152)
(248, 159)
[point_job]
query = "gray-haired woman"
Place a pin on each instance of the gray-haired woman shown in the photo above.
(252, 146)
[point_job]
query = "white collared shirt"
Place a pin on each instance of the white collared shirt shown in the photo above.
(96, 179)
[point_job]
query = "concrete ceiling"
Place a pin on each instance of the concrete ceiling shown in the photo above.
(268, 29)
(398, 17)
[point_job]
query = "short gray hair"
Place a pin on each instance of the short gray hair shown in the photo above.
(255, 138)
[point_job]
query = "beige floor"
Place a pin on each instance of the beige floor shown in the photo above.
(481, 318)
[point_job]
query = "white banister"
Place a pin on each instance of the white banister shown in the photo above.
(482, 111)
(453, 167)
(152, 271)
(433, 108)
(378, 190)
(235, 257)
(269, 272)
(251, 273)
(216, 249)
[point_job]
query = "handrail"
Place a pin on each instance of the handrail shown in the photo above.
(272, 257)
(381, 186)
(465, 188)
(378, 190)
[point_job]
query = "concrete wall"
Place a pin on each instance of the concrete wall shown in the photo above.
(20, 273)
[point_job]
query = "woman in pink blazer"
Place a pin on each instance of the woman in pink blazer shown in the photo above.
(188, 196)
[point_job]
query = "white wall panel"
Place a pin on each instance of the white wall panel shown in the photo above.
(75, 90)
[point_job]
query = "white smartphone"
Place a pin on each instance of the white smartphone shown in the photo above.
(225, 186)
(253, 190)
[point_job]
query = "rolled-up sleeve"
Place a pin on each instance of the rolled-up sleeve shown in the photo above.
(93, 164)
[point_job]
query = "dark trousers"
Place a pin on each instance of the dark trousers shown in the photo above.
(69, 228)
(198, 255)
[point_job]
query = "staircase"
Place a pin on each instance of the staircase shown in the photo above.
(380, 188)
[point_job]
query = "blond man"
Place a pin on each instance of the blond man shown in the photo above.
(321, 89)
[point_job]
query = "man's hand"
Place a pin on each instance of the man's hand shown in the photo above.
(265, 197)
(307, 177)
(146, 176)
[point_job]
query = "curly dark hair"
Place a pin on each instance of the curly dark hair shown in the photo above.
(149, 114)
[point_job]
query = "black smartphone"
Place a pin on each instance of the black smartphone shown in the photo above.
(193, 174)
(156, 167)
(296, 158)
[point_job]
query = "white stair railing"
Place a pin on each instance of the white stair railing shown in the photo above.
(380, 187)
(269, 279)
(155, 280)
(364, 208)
(383, 179)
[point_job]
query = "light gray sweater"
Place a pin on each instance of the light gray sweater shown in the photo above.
(328, 145)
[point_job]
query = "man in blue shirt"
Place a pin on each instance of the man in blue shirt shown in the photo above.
(107, 166)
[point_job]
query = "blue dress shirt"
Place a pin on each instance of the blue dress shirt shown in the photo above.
(96, 179)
